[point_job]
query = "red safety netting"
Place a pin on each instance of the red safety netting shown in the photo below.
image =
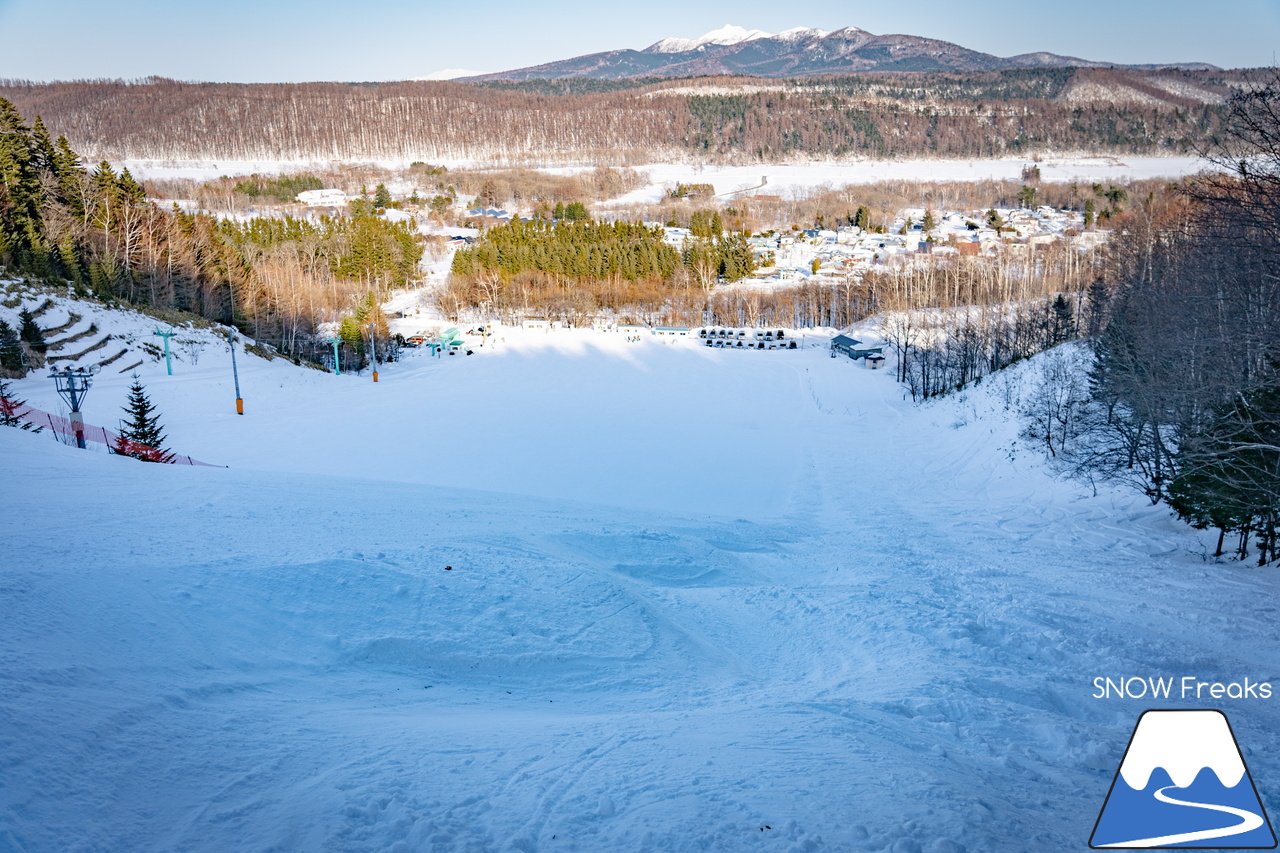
(115, 442)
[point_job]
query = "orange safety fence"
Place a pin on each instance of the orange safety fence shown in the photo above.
(115, 442)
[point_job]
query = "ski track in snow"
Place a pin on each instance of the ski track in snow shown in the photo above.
(694, 594)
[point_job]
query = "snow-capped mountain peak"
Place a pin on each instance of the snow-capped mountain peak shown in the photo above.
(728, 34)
(797, 52)
(797, 33)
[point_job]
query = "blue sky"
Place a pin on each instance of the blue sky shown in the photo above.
(291, 40)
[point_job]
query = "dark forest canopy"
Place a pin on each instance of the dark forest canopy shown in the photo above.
(980, 114)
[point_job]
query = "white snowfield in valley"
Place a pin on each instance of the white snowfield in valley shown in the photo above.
(780, 178)
(802, 179)
(578, 594)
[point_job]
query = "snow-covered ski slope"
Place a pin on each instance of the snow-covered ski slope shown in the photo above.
(698, 600)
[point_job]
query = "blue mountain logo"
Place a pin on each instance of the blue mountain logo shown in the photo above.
(1182, 783)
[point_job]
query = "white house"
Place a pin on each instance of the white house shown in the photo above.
(322, 198)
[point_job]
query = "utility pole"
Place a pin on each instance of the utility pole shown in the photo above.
(168, 364)
(73, 384)
(234, 372)
(373, 346)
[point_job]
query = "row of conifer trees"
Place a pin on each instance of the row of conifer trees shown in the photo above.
(275, 278)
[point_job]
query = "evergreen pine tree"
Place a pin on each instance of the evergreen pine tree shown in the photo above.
(381, 196)
(1229, 473)
(142, 437)
(42, 150)
(10, 351)
(106, 186)
(994, 220)
(130, 190)
(20, 226)
(31, 334)
(352, 334)
(736, 259)
(706, 224)
(1203, 498)
(1061, 322)
(11, 406)
(67, 165)
(71, 264)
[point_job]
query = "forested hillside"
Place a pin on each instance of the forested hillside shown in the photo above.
(276, 278)
(1180, 393)
(982, 114)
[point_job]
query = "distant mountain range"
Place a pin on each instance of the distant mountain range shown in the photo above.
(797, 52)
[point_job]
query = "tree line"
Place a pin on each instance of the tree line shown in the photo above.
(581, 272)
(1183, 393)
(951, 323)
(986, 114)
(576, 271)
(276, 278)
(576, 250)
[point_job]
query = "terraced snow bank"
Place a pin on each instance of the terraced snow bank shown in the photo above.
(574, 593)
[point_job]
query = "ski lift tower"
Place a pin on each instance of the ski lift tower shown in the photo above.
(235, 373)
(73, 385)
(168, 364)
(337, 357)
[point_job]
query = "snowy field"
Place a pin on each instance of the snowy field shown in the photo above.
(698, 600)
(777, 179)
(800, 180)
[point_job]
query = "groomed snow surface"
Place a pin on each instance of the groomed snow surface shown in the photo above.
(698, 600)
